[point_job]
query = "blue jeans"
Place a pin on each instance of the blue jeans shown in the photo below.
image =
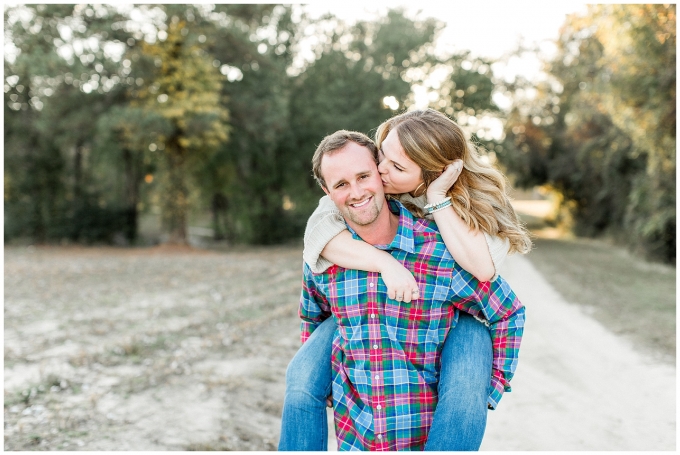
(459, 419)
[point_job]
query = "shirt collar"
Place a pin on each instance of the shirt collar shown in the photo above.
(404, 239)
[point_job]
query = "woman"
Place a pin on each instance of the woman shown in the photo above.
(426, 162)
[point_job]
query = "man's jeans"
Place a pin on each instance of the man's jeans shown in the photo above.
(459, 420)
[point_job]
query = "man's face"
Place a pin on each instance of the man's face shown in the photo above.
(354, 183)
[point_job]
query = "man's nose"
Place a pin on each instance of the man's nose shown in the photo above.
(356, 191)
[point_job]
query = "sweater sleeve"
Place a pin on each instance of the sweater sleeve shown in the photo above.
(325, 223)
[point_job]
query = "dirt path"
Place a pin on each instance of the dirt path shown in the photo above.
(578, 386)
(143, 349)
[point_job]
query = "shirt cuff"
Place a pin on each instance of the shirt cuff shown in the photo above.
(497, 389)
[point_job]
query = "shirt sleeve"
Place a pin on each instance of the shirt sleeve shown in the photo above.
(498, 248)
(495, 305)
(314, 307)
(325, 223)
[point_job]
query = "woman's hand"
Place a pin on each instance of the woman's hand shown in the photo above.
(441, 185)
(401, 285)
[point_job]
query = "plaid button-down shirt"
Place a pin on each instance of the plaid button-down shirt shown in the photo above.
(386, 353)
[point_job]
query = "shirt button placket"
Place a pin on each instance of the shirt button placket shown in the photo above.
(375, 344)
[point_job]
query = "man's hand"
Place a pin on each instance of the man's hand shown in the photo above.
(401, 285)
(441, 185)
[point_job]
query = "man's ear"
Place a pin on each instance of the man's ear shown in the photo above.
(325, 190)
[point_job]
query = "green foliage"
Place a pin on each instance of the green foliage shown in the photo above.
(50, 125)
(199, 109)
(183, 93)
(602, 130)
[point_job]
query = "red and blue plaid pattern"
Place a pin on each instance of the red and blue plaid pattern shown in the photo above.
(385, 356)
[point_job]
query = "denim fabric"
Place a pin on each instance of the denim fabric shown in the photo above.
(304, 425)
(460, 417)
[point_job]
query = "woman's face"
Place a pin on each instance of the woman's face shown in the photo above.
(398, 172)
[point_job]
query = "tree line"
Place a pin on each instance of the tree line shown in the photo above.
(215, 110)
(601, 128)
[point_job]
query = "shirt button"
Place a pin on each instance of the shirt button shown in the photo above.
(375, 346)
(377, 377)
(372, 315)
(378, 407)
(379, 436)
(370, 284)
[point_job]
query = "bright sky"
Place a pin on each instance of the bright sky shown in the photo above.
(486, 28)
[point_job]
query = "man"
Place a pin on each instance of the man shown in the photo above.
(385, 354)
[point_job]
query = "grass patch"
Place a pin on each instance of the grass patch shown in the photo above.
(627, 294)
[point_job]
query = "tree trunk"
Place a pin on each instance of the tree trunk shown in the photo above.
(219, 205)
(78, 202)
(132, 180)
(175, 198)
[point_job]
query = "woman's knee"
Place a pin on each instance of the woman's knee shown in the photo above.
(310, 369)
(469, 340)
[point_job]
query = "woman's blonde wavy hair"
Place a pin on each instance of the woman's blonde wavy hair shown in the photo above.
(479, 197)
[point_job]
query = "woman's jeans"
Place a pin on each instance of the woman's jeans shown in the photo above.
(459, 419)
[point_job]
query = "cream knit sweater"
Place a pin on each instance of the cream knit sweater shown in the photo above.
(326, 222)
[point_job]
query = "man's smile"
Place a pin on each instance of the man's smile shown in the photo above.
(357, 205)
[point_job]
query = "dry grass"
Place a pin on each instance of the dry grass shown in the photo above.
(630, 296)
(147, 349)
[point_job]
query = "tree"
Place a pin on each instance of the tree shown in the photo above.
(183, 94)
(66, 80)
(601, 130)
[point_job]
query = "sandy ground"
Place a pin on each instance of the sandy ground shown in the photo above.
(147, 349)
(578, 386)
(111, 349)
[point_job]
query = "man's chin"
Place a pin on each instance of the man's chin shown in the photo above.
(364, 216)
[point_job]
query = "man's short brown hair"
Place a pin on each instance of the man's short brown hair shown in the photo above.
(334, 142)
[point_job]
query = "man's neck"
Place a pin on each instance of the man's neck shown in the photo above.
(380, 232)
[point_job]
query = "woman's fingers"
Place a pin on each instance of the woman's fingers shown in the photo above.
(404, 294)
(442, 184)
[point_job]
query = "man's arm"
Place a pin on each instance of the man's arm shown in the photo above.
(314, 307)
(497, 306)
